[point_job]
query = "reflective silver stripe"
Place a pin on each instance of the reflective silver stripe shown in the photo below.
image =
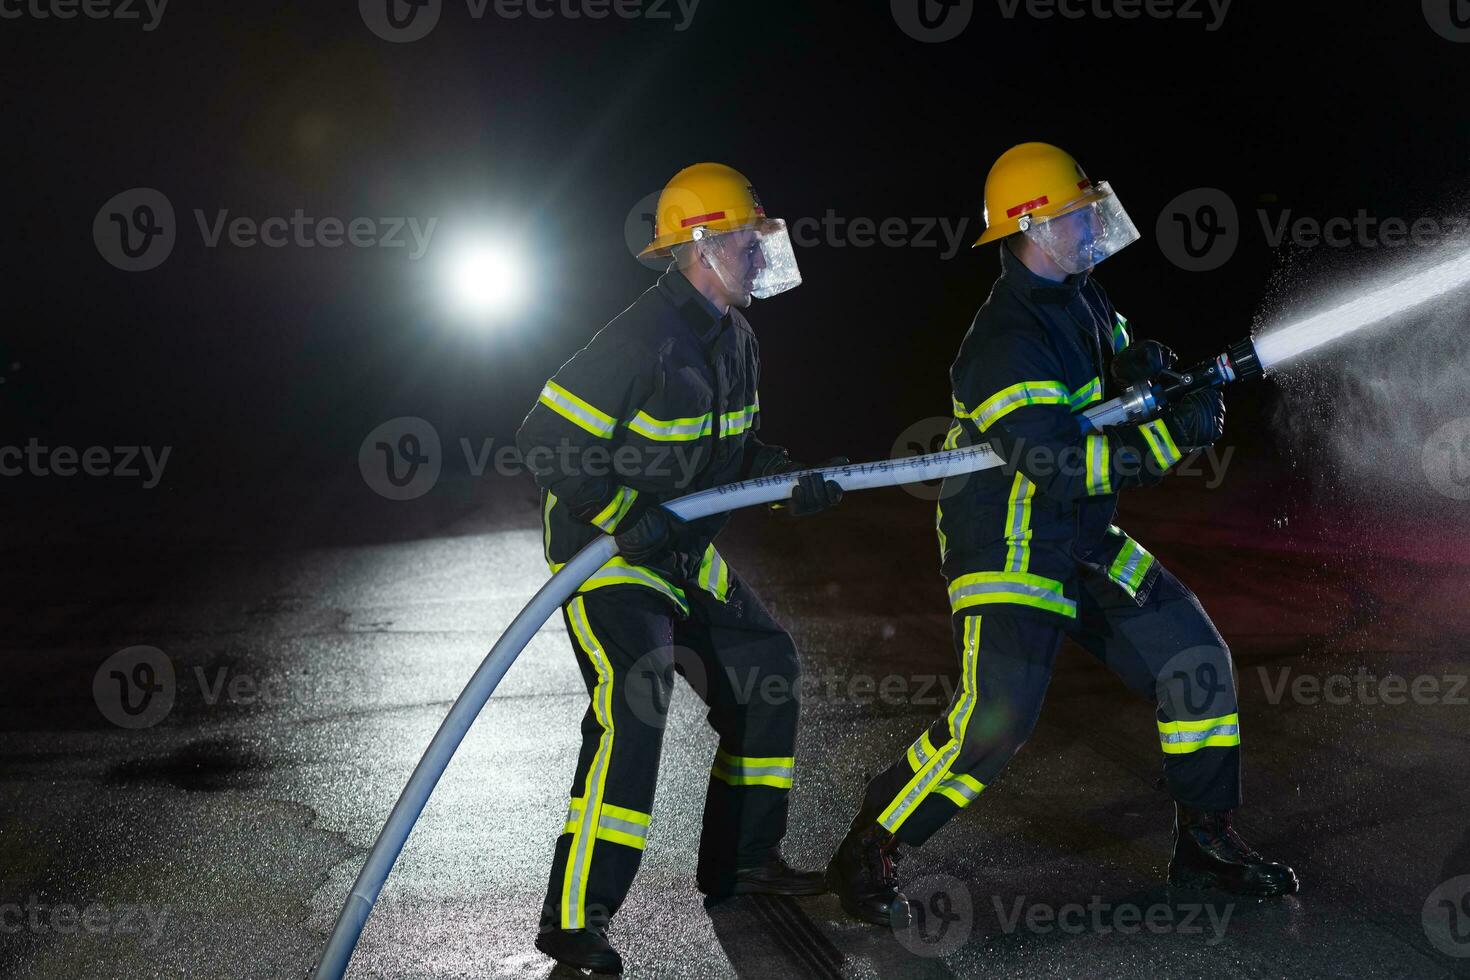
(632, 828)
(556, 397)
(575, 884)
(624, 827)
(1177, 738)
(785, 772)
(1090, 392)
(1032, 392)
(1018, 526)
(1022, 589)
(676, 430)
(920, 788)
(960, 787)
(712, 575)
(1156, 434)
(1099, 463)
(734, 423)
(1136, 557)
(626, 572)
(616, 509)
(733, 764)
(776, 771)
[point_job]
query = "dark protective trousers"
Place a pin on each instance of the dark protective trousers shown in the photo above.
(629, 644)
(1166, 650)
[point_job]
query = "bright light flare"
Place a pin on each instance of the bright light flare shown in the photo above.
(485, 281)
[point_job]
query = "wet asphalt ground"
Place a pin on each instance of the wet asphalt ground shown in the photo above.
(306, 644)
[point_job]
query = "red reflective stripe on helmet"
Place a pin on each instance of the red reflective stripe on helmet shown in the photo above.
(701, 219)
(1084, 184)
(1028, 206)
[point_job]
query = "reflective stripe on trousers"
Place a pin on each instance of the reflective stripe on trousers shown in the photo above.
(736, 770)
(617, 825)
(585, 830)
(934, 771)
(1187, 737)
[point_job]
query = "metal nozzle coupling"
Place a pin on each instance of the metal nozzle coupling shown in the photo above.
(1240, 362)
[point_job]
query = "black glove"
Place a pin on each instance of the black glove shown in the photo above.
(1142, 361)
(812, 494)
(651, 536)
(1197, 419)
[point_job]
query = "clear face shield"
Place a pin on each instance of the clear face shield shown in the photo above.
(756, 262)
(1085, 232)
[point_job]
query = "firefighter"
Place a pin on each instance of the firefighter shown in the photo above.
(661, 403)
(1032, 555)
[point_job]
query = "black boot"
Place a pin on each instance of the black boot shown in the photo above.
(862, 875)
(1209, 853)
(776, 877)
(584, 949)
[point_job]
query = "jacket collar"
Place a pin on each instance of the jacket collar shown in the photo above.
(697, 311)
(1033, 287)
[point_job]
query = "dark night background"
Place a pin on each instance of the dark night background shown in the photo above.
(255, 362)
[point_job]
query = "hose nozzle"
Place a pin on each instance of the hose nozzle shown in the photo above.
(1146, 401)
(1242, 362)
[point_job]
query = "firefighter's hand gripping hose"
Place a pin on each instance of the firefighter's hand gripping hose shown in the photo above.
(556, 591)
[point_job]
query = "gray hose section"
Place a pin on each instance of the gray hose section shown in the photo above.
(561, 587)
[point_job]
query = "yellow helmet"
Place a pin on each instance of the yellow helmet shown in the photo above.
(1033, 178)
(711, 196)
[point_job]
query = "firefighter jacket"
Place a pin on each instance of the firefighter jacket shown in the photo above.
(661, 403)
(1016, 538)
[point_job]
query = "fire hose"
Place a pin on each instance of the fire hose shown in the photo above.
(1139, 404)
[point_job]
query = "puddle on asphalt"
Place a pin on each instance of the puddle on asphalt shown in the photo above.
(203, 766)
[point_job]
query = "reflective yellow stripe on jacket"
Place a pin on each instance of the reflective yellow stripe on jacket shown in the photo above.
(612, 515)
(1160, 443)
(1002, 403)
(714, 574)
(618, 571)
(1131, 566)
(577, 411)
(695, 427)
